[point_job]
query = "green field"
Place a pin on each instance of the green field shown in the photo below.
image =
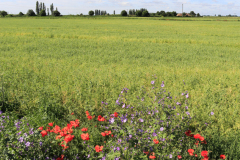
(76, 63)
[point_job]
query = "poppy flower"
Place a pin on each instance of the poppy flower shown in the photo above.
(188, 132)
(115, 114)
(222, 156)
(98, 148)
(152, 155)
(50, 124)
(112, 135)
(197, 143)
(87, 113)
(100, 118)
(75, 124)
(190, 151)
(85, 136)
(89, 117)
(204, 153)
(44, 133)
(179, 157)
(84, 129)
(103, 134)
(58, 137)
(48, 129)
(197, 136)
(205, 158)
(201, 138)
(195, 155)
(72, 113)
(60, 158)
(68, 138)
(146, 152)
(64, 146)
(108, 132)
(155, 141)
(63, 134)
(40, 128)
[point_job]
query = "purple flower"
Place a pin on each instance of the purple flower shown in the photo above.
(119, 140)
(25, 134)
(170, 156)
(141, 120)
(40, 143)
(111, 120)
(142, 99)
(187, 96)
(162, 85)
(130, 136)
(27, 144)
(118, 148)
(20, 139)
(187, 113)
(154, 134)
(124, 119)
(152, 82)
(1, 112)
(178, 103)
(186, 107)
(123, 106)
(212, 113)
(161, 129)
(117, 102)
(88, 156)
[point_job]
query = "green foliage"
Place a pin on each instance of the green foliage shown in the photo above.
(124, 13)
(56, 13)
(192, 13)
(198, 15)
(145, 13)
(3, 13)
(30, 12)
(20, 14)
(37, 8)
(42, 13)
(138, 13)
(91, 13)
(9, 15)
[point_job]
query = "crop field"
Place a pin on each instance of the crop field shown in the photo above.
(53, 67)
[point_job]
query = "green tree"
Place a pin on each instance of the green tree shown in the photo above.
(42, 13)
(192, 13)
(44, 7)
(138, 13)
(3, 13)
(145, 13)
(162, 13)
(169, 14)
(198, 15)
(30, 12)
(51, 9)
(91, 13)
(48, 11)
(56, 13)
(124, 13)
(40, 7)
(20, 14)
(174, 13)
(114, 12)
(184, 14)
(37, 8)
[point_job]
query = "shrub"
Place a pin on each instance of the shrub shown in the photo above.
(139, 13)
(124, 13)
(42, 13)
(3, 13)
(145, 13)
(9, 15)
(56, 13)
(20, 14)
(31, 13)
(91, 13)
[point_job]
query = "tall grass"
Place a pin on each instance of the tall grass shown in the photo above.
(57, 66)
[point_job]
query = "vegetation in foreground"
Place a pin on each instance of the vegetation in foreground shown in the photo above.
(50, 69)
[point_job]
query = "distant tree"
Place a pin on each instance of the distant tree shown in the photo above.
(48, 11)
(56, 9)
(44, 7)
(169, 14)
(162, 13)
(158, 13)
(3, 13)
(56, 13)
(42, 13)
(198, 15)
(96, 12)
(20, 14)
(114, 12)
(30, 12)
(124, 13)
(184, 14)
(40, 7)
(91, 13)
(219, 15)
(138, 13)
(37, 8)
(51, 9)
(134, 12)
(145, 13)
(192, 13)
(174, 13)
(99, 13)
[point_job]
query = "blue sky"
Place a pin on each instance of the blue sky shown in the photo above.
(204, 7)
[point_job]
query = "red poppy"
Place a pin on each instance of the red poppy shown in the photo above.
(152, 155)
(195, 155)
(108, 132)
(190, 151)
(222, 156)
(87, 113)
(146, 152)
(63, 134)
(60, 158)
(197, 136)
(40, 128)
(100, 118)
(179, 157)
(197, 143)
(98, 148)
(85, 136)
(50, 124)
(58, 137)
(103, 134)
(115, 114)
(44, 133)
(84, 129)
(204, 153)
(201, 138)
(205, 158)
(89, 117)
(112, 135)
(68, 138)
(72, 113)
(75, 124)
(48, 129)
(188, 132)
(155, 141)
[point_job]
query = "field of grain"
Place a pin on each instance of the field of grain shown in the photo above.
(72, 64)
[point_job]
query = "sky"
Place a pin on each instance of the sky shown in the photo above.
(66, 7)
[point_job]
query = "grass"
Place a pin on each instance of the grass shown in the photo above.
(57, 66)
